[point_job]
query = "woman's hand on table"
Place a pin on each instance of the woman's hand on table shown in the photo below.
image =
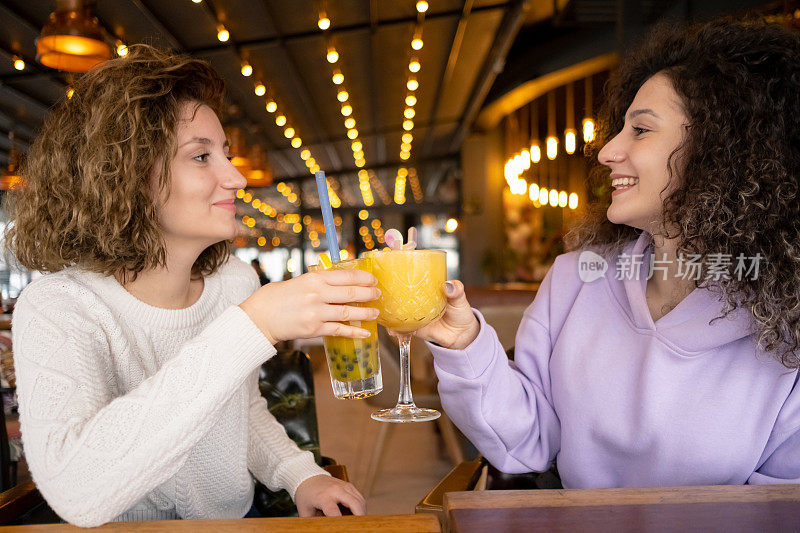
(313, 305)
(326, 493)
(458, 327)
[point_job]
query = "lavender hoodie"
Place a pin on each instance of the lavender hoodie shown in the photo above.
(620, 401)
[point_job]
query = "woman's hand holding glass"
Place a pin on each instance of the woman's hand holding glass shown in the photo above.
(458, 327)
(313, 305)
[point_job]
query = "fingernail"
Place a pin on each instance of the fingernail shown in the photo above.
(364, 334)
(449, 288)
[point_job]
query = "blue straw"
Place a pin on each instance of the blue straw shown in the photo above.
(327, 216)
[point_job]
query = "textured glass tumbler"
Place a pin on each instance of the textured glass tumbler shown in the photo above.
(354, 364)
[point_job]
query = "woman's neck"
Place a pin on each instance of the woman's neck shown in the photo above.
(168, 287)
(668, 285)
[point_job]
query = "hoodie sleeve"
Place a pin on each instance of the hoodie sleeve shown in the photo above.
(780, 462)
(505, 407)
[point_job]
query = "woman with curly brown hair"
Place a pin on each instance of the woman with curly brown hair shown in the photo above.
(137, 356)
(664, 349)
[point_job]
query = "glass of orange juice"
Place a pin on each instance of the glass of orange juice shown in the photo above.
(411, 297)
(354, 364)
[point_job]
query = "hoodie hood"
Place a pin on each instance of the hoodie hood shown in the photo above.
(690, 326)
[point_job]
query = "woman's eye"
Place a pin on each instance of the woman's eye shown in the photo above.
(202, 158)
(639, 131)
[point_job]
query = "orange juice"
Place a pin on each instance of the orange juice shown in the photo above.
(354, 363)
(411, 287)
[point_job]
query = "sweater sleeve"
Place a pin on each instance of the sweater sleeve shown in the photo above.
(93, 455)
(780, 462)
(272, 457)
(505, 408)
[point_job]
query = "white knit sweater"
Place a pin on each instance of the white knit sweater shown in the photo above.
(131, 412)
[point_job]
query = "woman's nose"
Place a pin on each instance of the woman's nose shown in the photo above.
(233, 178)
(611, 153)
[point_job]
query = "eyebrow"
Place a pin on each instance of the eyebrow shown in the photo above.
(204, 140)
(637, 112)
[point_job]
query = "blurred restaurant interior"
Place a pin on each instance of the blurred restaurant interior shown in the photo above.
(466, 119)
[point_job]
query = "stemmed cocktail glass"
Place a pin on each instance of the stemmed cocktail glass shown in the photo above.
(411, 297)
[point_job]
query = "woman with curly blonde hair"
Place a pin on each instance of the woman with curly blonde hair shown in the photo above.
(137, 356)
(664, 349)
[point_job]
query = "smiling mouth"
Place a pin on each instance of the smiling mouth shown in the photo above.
(621, 184)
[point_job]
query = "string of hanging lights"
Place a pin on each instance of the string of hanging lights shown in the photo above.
(343, 97)
(530, 157)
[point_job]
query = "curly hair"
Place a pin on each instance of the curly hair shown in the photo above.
(86, 198)
(736, 191)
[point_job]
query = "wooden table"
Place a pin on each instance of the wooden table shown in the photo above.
(727, 509)
(343, 524)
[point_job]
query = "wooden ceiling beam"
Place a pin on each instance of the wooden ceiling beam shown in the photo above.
(509, 27)
(352, 28)
(309, 105)
(380, 143)
(447, 73)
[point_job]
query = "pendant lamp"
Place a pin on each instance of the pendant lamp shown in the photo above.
(72, 39)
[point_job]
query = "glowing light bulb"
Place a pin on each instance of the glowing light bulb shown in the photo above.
(280, 120)
(122, 50)
(422, 6)
(349, 123)
(414, 66)
(342, 95)
(352, 133)
(562, 199)
(222, 34)
(588, 131)
(323, 22)
(305, 154)
(70, 92)
(260, 89)
(543, 196)
(288, 133)
(272, 106)
(409, 112)
(536, 153)
(338, 77)
(408, 125)
(407, 138)
(333, 55)
(553, 197)
(533, 192)
(411, 100)
(412, 84)
(525, 158)
(347, 110)
(356, 146)
(552, 148)
(451, 225)
(572, 201)
(569, 141)
(417, 43)
(247, 69)
(297, 142)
